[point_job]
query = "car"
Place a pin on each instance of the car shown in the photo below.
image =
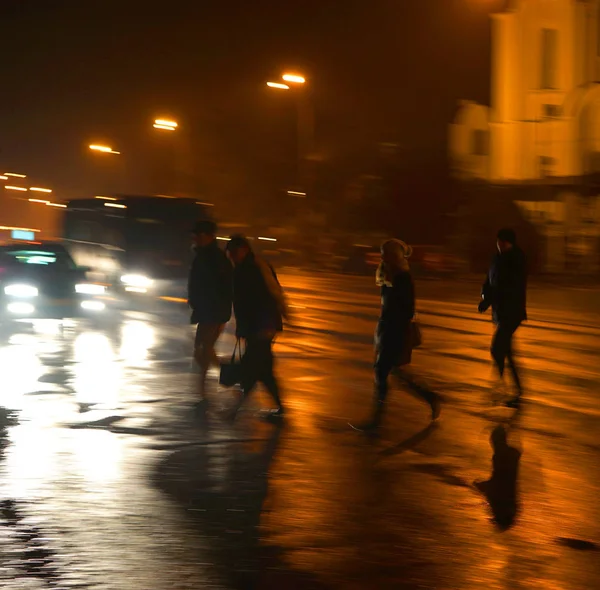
(41, 281)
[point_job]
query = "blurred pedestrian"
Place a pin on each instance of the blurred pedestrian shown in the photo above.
(209, 295)
(505, 291)
(259, 306)
(393, 336)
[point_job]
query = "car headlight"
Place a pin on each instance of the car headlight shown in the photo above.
(90, 289)
(139, 281)
(21, 291)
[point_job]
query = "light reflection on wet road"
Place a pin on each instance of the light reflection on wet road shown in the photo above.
(110, 481)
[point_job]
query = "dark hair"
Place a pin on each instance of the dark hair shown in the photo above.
(507, 235)
(238, 241)
(205, 226)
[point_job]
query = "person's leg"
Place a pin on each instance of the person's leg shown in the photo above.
(501, 346)
(512, 365)
(204, 353)
(267, 375)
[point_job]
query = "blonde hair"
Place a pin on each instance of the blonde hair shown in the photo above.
(397, 254)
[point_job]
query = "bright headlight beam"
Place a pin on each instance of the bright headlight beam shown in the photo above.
(21, 290)
(90, 289)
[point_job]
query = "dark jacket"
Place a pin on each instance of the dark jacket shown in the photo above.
(397, 311)
(258, 300)
(505, 288)
(210, 286)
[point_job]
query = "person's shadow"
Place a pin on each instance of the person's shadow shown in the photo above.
(501, 490)
(223, 489)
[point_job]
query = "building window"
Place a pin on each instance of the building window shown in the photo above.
(549, 58)
(481, 140)
(552, 111)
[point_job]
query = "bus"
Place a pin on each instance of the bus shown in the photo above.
(135, 244)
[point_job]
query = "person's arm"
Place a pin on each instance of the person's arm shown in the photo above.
(273, 286)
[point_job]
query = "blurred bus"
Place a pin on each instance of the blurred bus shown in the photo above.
(138, 244)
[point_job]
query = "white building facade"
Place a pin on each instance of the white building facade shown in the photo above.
(543, 126)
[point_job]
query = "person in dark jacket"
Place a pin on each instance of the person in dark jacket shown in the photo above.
(259, 306)
(505, 291)
(209, 295)
(393, 342)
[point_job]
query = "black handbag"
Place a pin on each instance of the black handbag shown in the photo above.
(231, 372)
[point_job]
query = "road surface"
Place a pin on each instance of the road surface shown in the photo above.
(110, 481)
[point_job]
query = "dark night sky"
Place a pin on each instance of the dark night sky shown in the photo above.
(380, 70)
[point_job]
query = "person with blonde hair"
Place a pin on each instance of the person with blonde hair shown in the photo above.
(393, 343)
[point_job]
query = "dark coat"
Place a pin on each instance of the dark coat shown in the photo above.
(258, 300)
(397, 311)
(210, 286)
(505, 288)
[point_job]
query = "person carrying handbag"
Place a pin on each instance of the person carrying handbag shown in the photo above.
(396, 333)
(259, 307)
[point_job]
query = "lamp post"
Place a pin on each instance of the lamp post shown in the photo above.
(305, 126)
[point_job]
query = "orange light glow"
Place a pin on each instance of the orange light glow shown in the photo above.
(103, 148)
(165, 123)
(294, 78)
(278, 85)
(60, 205)
(15, 188)
(40, 189)
(165, 127)
(39, 201)
(15, 175)
(115, 205)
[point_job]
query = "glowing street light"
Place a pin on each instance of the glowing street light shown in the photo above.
(103, 148)
(10, 187)
(166, 123)
(39, 201)
(15, 175)
(39, 189)
(115, 205)
(278, 85)
(60, 205)
(294, 78)
(164, 127)
(2, 177)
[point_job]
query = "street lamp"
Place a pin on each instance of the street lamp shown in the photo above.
(165, 124)
(15, 188)
(305, 123)
(39, 189)
(293, 78)
(103, 148)
(278, 85)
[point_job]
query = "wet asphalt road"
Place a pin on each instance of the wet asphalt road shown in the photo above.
(109, 480)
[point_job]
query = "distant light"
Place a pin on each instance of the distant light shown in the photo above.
(19, 234)
(296, 193)
(166, 127)
(15, 188)
(205, 204)
(90, 289)
(11, 228)
(136, 289)
(165, 123)
(278, 85)
(267, 239)
(294, 78)
(15, 175)
(223, 239)
(93, 305)
(106, 198)
(59, 205)
(103, 148)
(3, 177)
(39, 201)
(39, 189)
(115, 205)
(139, 281)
